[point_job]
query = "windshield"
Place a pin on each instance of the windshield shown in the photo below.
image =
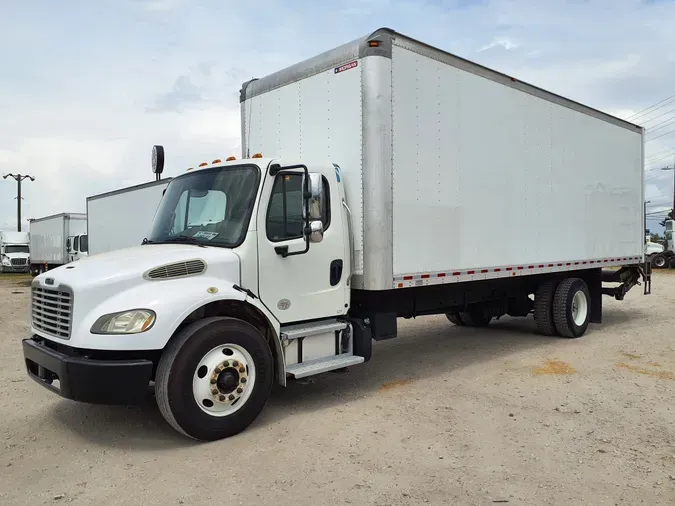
(16, 248)
(209, 206)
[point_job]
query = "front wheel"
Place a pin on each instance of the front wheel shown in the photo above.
(659, 261)
(214, 378)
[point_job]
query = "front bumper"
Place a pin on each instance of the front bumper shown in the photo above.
(87, 380)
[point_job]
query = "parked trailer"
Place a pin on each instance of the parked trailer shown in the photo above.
(122, 218)
(57, 240)
(14, 251)
(389, 158)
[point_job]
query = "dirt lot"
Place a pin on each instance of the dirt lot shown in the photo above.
(441, 415)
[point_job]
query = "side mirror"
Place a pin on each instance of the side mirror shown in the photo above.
(315, 231)
(317, 196)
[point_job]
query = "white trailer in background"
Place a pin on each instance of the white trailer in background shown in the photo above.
(122, 218)
(388, 164)
(57, 240)
(14, 251)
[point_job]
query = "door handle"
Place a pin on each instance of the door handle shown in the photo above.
(335, 272)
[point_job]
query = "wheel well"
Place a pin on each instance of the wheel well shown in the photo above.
(241, 311)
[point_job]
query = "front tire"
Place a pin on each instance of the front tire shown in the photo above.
(659, 261)
(214, 378)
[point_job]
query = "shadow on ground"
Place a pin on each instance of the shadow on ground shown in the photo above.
(425, 348)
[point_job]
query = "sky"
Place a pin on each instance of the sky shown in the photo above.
(88, 87)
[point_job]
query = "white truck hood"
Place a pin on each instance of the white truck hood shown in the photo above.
(121, 268)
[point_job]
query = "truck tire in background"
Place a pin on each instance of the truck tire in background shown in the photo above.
(454, 318)
(477, 315)
(659, 261)
(543, 308)
(572, 307)
(214, 378)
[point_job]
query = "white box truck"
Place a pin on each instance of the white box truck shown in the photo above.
(14, 251)
(56, 240)
(122, 218)
(400, 181)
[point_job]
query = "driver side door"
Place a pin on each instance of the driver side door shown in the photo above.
(304, 286)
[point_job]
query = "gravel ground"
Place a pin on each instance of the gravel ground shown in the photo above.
(441, 415)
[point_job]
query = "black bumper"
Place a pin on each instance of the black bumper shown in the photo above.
(88, 380)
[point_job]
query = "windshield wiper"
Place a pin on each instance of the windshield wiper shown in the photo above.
(177, 239)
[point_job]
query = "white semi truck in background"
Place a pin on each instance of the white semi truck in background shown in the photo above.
(14, 251)
(368, 175)
(122, 218)
(56, 240)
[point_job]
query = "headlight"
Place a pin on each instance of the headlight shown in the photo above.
(6, 261)
(133, 321)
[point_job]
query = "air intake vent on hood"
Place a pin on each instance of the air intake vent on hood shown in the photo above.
(177, 270)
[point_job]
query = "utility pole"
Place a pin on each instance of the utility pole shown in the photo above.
(18, 178)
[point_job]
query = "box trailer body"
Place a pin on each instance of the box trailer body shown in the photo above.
(384, 179)
(452, 167)
(122, 218)
(14, 251)
(56, 240)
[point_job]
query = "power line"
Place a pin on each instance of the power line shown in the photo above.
(670, 111)
(663, 125)
(649, 109)
(659, 136)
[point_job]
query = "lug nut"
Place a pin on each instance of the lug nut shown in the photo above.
(221, 397)
(214, 391)
(240, 390)
(213, 381)
(235, 363)
(242, 370)
(226, 363)
(231, 397)
(243, 380)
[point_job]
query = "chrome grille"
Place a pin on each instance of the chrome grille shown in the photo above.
(177, 270)
(19, 261)
(52, 311)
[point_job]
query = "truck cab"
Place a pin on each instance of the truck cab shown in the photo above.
(14, 252)
(251, 257)
(77, 247)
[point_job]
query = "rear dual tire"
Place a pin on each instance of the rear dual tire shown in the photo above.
(563, 308)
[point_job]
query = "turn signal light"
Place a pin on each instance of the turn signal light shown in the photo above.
(257, 155)
(374, 43)
(217, 160)
(230, 158)
(203, 164)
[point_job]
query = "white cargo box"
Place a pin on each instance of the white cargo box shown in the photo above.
(453, 171)
(49, 235)
(122, 218)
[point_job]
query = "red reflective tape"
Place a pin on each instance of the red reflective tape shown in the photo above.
(424, 276)
(471, 272)
(520, 267)
(441, 274)
(576, 263)
(509, 268)
(483, 271)
(407, 278)
(541, 266)
(568, 263)
(592, 261)
(559, 265)
(530, 266)
(456, 273)
(550, 265)
(497, 270)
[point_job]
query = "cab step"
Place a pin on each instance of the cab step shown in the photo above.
(321, 365)
(311, 329)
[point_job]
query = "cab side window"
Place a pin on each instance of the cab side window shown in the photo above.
(284, 214)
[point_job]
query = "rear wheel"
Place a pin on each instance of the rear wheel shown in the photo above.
(214, 378)
(571, 307)
(543, 308)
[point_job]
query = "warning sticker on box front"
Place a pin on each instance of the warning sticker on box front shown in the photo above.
(346, 66)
